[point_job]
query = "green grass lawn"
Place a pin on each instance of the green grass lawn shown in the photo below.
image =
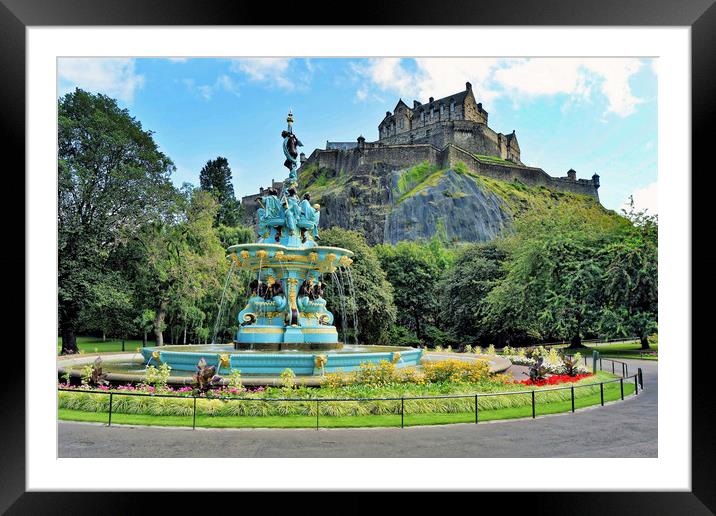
(611, 393)
(624, 350)
(95, 345)
(618, 350)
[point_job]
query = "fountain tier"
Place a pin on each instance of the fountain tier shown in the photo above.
(286, 307)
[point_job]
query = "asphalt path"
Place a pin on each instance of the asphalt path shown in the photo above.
(620, 429)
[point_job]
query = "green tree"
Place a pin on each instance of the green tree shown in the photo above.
(464, 289)
(414, 269)
(373, 293)
(112, 179)
(630, 279)
(215, 177)
(186, 267)
(552, 288)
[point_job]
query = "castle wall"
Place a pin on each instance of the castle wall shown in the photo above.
(405, 156)
(531, 176)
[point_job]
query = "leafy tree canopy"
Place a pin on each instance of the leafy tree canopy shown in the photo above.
(215, 177)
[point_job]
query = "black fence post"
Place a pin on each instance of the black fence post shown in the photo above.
(636, 384)
(572, 389)
(109, 421)
(402, 412)
(533, 404)
(641, 378)
(601, 392)
(193, 422)
(621, 386)
(623, 369)
(612, 366)
(122, 344)
(626, 368)
(317, 412)
(476, 409)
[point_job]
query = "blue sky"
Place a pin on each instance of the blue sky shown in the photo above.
(593, 115)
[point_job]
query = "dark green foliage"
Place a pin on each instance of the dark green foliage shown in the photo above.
(553, 283)
(373, 293)
(631, 280)
(215, 178)
(414, 269)
(464, 288)
(112, 178)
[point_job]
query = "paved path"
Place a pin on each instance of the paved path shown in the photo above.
(621, 429)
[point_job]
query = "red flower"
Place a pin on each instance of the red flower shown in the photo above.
(555, 379)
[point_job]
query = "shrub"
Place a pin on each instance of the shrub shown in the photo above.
(336, 380)
(553, 357)
(382, 373)
(93, 375)
(411, 375)
(235, 379)
(157, 377)
(477, 350)
(468, 348)
(287, 378)
(457, 371)
(491, 349)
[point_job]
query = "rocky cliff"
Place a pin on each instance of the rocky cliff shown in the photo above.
(389, 204)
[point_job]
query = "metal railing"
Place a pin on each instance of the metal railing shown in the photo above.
(637, 378)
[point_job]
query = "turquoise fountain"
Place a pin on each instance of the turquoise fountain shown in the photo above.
(286, 323)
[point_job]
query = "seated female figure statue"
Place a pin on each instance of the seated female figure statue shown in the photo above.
(271, 214)
(310, 216)
(292, 211)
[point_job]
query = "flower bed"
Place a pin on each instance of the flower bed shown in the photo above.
(267, 401)
(554, 379)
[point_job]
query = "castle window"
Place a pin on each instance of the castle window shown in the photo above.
(452, 106)
(442, 109)
(400, 124)
(422, 116)
(427, 133)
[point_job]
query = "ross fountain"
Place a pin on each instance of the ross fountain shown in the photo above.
(286, 323)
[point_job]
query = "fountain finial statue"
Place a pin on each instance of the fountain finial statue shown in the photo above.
(290, 150)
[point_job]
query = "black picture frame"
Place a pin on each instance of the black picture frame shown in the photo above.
(700, 15)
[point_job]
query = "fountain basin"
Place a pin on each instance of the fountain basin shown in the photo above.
(260, 362)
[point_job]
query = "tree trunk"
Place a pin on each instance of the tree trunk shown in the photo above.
(69, 341)
(644, 343)
(104, 337)
(144, 340)
(184, 334)
(159, 322)
(576, 342)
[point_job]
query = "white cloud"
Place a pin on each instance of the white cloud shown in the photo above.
(115, 77)
(207, 91)
(644, 199)
(272, 70)
(516, 78)
(177, 59)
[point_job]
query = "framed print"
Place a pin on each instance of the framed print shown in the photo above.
(448, 262)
